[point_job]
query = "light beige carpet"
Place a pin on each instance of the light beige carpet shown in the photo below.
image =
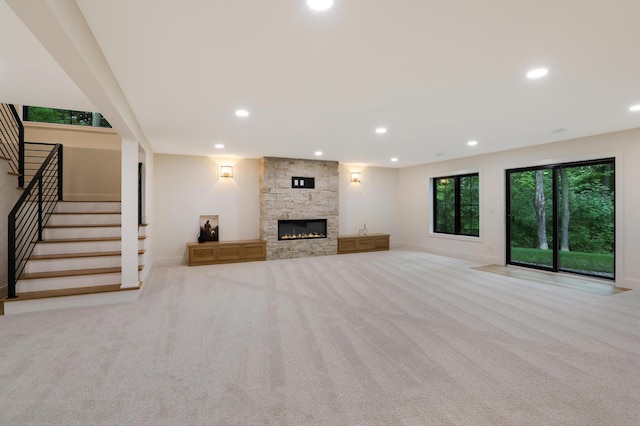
(385, 338)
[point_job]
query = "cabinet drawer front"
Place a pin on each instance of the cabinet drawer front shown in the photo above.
(202, 254)
(366, 243)
(382, 243)
(346, 245)
(228, 253)
(254, 251)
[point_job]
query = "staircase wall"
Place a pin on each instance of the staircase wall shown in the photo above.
(92, 159)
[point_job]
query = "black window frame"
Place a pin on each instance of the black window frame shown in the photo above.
(457, 214)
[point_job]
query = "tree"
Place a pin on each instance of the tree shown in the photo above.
(539, 205)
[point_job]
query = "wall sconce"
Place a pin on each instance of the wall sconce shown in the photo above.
(355, 177)
(226, 171)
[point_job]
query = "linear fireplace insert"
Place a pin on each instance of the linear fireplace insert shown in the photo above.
(302, 229)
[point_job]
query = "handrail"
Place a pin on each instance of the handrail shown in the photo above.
(31, 213)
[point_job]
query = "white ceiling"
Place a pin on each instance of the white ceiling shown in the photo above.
(436, 74)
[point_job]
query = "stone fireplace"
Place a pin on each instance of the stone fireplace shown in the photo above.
(298, 221)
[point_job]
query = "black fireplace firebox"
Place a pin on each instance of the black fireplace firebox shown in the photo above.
(302, 229)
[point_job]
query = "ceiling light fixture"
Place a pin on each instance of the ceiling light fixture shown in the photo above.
(219, 146)
(318, 153)
(381, 130)
(635, 108)
(242, 113)
(394, 160)
(537, 73)
(320, 5)
(472, 143)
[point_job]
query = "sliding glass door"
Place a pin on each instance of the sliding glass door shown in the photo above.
(562, 217)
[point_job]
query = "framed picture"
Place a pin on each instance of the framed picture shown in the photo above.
(209, 230)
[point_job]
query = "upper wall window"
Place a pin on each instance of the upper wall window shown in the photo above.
(64, 116)
(456, 205)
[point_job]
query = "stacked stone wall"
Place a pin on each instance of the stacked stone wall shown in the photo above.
(279, 201)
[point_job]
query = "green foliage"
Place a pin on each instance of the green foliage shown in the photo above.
(457, 197)
(63, 116)
(591, 207)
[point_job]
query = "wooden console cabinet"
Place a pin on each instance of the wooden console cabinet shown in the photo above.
(362, 243)
(211, 253)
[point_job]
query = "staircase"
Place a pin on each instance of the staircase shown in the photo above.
(77, 263)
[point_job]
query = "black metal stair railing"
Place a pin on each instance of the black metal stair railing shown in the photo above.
(31, 213)
(12, 140)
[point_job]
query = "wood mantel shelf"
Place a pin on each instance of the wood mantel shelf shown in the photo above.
(213, 252)
(362, 243)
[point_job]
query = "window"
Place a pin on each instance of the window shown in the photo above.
(456, 206)
(64, 116)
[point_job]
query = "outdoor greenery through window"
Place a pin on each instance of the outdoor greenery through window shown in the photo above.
(456, 206)
(64, 116)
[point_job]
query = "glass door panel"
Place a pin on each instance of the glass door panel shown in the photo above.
(530, 218)
(586, 224)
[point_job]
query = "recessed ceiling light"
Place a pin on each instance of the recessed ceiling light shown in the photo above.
(394, 160)
(219, 146)
(242, 113)
(318, 153)
(320, 5)
(472, 143)
(537, 73)
(381, 130)
(635, 108)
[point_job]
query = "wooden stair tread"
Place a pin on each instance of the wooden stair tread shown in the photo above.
(45, 294)
(85, 240)
(67, 213)
(73, 273)
(77, 255)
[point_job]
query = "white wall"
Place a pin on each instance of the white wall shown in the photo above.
(91, 174)
(186, 187)
(372, 201)
(415, 208)
(92, 163)
(72, 136)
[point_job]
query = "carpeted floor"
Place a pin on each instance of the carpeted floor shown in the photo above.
(381, 338)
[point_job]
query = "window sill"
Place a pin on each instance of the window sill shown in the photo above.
(465, 238)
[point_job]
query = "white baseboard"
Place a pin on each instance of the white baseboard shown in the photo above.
(92, 197)
(489, 260)
(169, 261)
(147, 270)
(629, 283)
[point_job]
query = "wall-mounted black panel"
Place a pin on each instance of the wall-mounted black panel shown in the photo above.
(303, 182)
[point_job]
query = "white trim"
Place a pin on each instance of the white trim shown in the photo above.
(67, 127)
